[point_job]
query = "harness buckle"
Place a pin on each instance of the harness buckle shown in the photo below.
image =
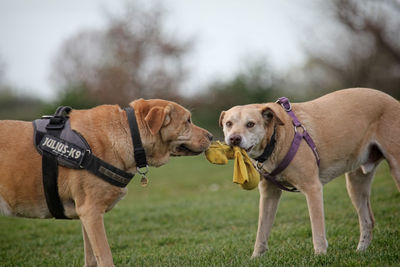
(56, 123)
(284, 102)
(88, 152)
(143, 173)
(302, 126)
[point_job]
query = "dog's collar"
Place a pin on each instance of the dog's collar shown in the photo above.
(138, 150)
(268, 149)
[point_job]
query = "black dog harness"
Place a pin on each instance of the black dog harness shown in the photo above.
(59, 144)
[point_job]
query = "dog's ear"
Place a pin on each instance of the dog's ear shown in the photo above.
(269, 115)
(157, 118)
(221, 117)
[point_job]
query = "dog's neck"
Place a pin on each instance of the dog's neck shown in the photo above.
(106, 129)
(157, 153)
(268, 148)
(282, 133)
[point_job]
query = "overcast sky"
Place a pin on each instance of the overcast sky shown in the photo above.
(226, 33)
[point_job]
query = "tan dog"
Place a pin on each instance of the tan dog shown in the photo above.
(165, 129)
(353, 130)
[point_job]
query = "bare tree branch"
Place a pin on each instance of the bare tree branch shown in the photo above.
(368, 54)
(132, 57)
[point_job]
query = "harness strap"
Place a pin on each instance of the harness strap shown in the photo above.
(285, 103)
(273, 180)
(50, 167)
(106, 171)
(289, 156)
(298, 137)
(50, 175)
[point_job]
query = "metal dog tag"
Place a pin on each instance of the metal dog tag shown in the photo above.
(144, 181)
(143, 173)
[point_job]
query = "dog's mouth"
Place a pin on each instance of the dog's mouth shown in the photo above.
(246, 149)
(249, 149)
(183, 150)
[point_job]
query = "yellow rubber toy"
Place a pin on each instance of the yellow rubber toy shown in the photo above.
(244, 172)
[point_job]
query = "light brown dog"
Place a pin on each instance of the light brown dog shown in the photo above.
(353, 130)
(165, 129)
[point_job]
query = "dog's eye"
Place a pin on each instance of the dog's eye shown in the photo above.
(250, 124)
(228, 124)
(189, 120)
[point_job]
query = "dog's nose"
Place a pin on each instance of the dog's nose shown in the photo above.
(235, 140)
(210, 137)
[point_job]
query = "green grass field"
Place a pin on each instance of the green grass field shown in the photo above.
(191, 214)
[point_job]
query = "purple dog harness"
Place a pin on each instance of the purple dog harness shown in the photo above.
(298, 137)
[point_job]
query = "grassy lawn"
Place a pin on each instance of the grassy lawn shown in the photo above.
(191, 214)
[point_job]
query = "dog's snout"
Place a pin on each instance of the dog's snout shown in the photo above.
(235, 140)
(210, 136)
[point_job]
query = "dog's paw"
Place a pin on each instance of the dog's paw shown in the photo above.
(258, 253)
(320, 251)
(321, 246)
(365, 241)
(362, 247)
(255, 255)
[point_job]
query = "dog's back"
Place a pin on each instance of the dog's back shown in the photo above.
(354, 121)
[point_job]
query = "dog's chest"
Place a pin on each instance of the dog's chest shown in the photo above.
(70, 208)
(123, 193)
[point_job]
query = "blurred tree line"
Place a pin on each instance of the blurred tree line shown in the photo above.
(360, 49)
(14, 105)
(134, 56)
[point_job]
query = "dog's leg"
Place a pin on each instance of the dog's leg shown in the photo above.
(314, 195)
(269, 199)
(359, 189)
(93, 224)
(90, 259)
(388, 140)
(394, 163)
